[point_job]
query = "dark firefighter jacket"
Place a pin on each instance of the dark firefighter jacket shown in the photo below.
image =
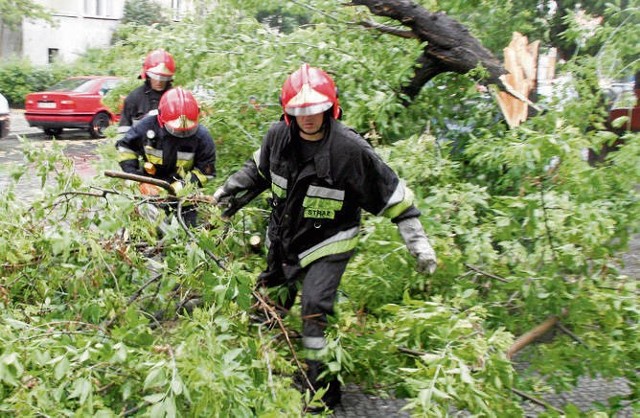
(191, 159)
(139, 103)
(316, 208)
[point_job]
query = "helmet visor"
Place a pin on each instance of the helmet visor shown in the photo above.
(308, 110)
(159, 77)
(182, 133)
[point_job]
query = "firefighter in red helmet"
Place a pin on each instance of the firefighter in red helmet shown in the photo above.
(157, 72)
(322, 174)
(170, 146)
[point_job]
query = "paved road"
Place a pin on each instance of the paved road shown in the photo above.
(355, 403)
(77, 144)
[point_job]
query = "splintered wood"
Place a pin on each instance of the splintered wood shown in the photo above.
(520, 60)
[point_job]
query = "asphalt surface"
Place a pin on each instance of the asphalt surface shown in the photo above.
(355, 402)
(20, 127)
(77, 144)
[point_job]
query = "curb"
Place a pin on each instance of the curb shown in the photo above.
(31, 134)
(19, 127)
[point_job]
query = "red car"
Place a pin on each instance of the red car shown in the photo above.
(73, 103)
(631, 111)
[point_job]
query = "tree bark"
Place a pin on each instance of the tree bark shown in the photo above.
(449, 45)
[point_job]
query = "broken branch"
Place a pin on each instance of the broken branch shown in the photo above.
(532, 335)
(484, 273)
(407, 34)
(536, 400)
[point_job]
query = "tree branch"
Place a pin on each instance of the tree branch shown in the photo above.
(484, 273)
(577, 339)
(449, 47)
(535, 333)
(536, 400)
(271, 313)
(407, 34)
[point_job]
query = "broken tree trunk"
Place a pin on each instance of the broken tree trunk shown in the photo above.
(521, 62)
(449, 47)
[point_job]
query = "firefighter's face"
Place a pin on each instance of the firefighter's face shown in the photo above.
(311, 126)
(157, 85)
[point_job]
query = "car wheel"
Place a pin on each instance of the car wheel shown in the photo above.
(100, 122)
(53, 131)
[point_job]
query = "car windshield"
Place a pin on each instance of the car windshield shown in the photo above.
(79, 85)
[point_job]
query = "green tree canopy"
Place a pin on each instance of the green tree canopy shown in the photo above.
(12, 12)
(142, 12)
(525, 229)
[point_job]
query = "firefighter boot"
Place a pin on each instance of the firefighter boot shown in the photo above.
(332, 396)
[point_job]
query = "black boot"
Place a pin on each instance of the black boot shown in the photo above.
(332, 396)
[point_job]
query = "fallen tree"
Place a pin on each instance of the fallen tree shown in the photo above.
(448, 45)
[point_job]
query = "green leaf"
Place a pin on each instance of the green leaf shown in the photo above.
(170, 407)
(157, 410)
(155, 378)
(154, 398)
(81, 389)
(177, 386)
(62, 367)
(620, 121)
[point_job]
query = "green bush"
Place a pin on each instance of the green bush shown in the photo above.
(19, 77)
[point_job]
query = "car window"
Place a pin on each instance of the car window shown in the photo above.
(107, 86)
(79, 85)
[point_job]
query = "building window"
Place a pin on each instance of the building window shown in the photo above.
(176, 6)
(53, 55)
(96, 8)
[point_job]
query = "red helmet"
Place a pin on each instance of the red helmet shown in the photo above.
(178, 112)
(158, 65)
(309, 91)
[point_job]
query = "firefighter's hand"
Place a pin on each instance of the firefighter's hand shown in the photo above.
(222, 199)
(426, 261)
(148, 189)
(418, 245)
(177, 187)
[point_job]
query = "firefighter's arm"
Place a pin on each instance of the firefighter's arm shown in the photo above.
(388, 196)
(129, 152)
(241, 187)
(126, 116)
(204, 167)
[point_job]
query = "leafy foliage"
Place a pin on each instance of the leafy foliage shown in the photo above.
(282, 20)
(19, 77)
(94, 303)
(142, 12)
(12, 12)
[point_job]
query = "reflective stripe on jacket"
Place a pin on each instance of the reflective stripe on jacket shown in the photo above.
(191, 159)
(316, 208)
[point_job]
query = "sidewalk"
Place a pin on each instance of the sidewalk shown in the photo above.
(20, 127)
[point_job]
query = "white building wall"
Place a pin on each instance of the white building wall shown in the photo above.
(79, 25)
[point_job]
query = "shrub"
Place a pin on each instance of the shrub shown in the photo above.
(19, 77)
